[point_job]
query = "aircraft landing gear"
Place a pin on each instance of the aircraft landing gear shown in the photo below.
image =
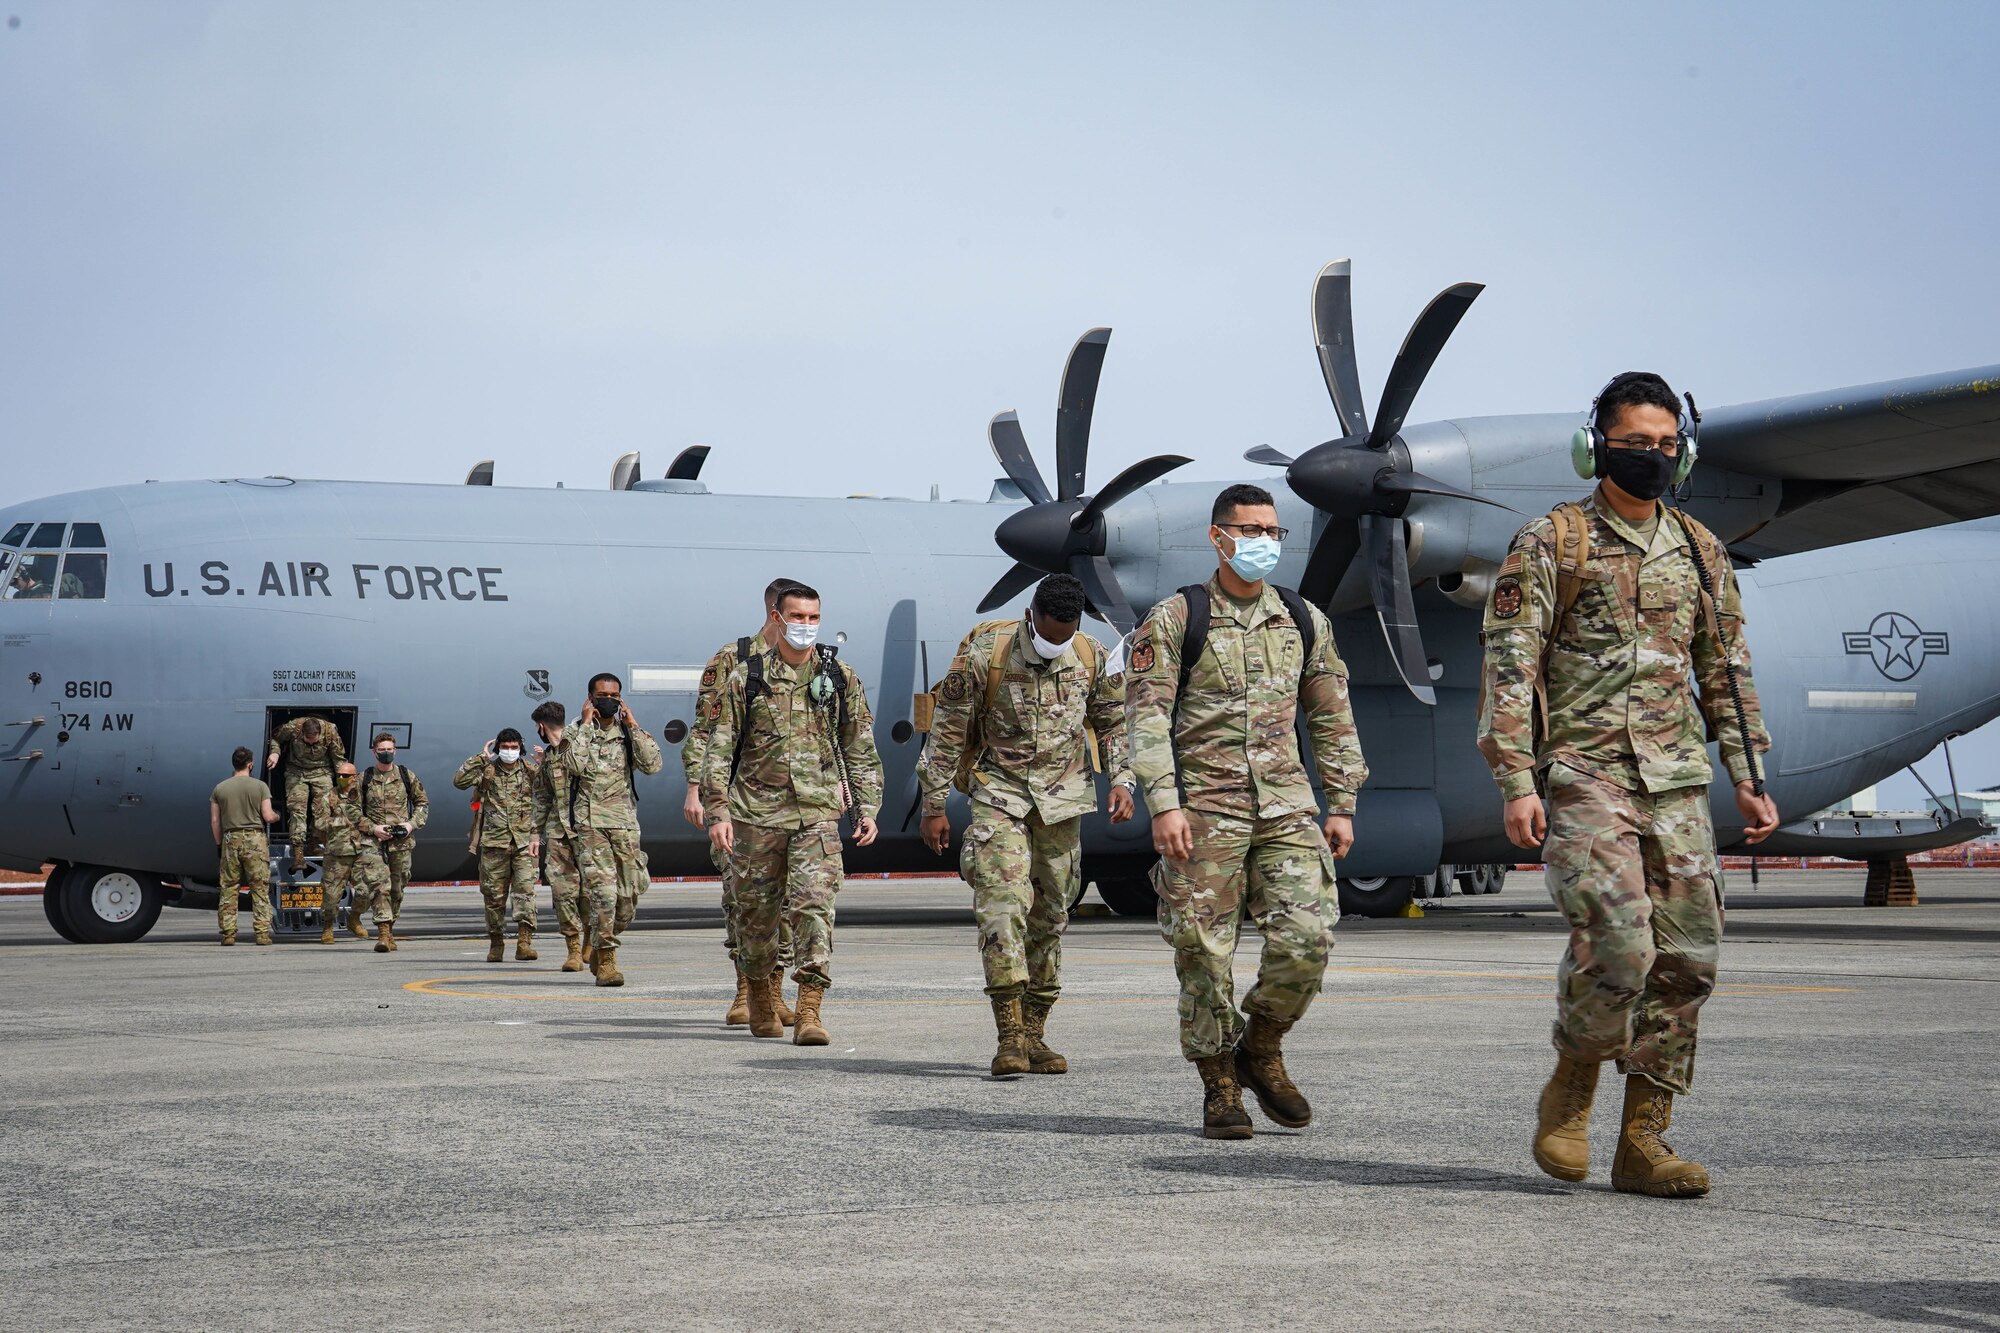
(102, 905)
(1376, 895)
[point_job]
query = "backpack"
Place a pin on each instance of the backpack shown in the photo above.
(631, 782)
(965, 777)
(1194, 638)
(409, 785)
(826, 659)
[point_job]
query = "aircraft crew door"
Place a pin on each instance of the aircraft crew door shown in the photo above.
(297, 904)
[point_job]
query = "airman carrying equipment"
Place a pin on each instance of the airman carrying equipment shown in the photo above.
(924, 709)
(1194, 636)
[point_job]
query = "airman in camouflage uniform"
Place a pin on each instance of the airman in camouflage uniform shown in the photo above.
(344, 841)
(238, 810)
(354, 855)
(1234, 814)
(602, 753)
(693, 751)
(509, 841)
(1031, 786)
(391, 797)
(778, 812)
(312, 750)
(1594, 703)
(552, 789)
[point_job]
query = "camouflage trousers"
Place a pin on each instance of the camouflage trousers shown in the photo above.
(565, 882)
(1636, 875)
(388, 902)
(1279, 874)
(614, 874)
(507, 884)
(364, 872)
(785, 874)
(1024, 874)
(308, 805)
(246, 864)
(732, 926)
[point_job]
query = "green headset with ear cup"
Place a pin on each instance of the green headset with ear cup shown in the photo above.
(1587, 445)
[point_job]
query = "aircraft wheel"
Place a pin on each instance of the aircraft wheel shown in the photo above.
(1479, 880)
(1496, 878)
(1376, 895)
(1129, 895)
(52, 905)
(107, 906)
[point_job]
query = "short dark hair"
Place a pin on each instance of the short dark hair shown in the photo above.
(799, 592)
(1634, 388)
(379, 738)
(549, 714)
(1060, 597)
(777, 588)
(242, 758)
(508, 734)
(310, 728)
(611, 676)
(1240, 496)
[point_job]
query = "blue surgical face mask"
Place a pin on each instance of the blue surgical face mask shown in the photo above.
(801, 636)
(1255, 557)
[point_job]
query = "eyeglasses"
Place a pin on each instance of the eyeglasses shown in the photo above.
(1276, 534)
(1669, 445)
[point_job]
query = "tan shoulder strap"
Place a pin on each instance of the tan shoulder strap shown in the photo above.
(996, 665)
(1572, 555)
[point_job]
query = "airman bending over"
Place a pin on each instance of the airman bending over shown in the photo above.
(311, 748)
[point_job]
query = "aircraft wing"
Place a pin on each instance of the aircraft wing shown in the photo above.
(1867, 461)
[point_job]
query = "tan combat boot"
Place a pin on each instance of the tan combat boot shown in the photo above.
(228, 938)
(783, 1010)
(1011, 1056)
(1260, 1067)
(1645, 1164)
(263, 937)
(496, 946)
(524, 945)
(382, 941)
(326, 933)
(1222, 1113)
(1562, 1119)
(590, 952)
(1034, 1022)
(573, 963)
(739, 1008)
(354, 926)
(807, 1030)
(763, 1009)
(606, 967)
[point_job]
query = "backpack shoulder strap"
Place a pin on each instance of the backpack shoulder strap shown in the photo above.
(753, 685)
(996, 661)
(1302, 617)
(743, 649)
(1194, 635)
(409, 786)
(1572, 531)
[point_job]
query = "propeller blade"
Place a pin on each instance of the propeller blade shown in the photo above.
(481, 474)
(1389, 583)
(1010, 446)
(1142, 473)
(1327, 565)
(1100, 584)
(687, 463)
(1419, 353)
(1416, 483)
(1268, 456)
(1333, 331)
(1073, 408)
(625, 471)
(1011, 585)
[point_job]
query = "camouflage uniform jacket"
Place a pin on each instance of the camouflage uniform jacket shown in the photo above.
(600, 774)
(714, 677)
(1236, 738)
(385, 802)
(1032, 748)
(345, 835)
(304, 756)
(551, 785)
(788, 778)
(506, 799)
(1620, 671)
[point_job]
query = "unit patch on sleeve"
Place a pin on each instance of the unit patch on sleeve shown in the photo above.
(1507, 598)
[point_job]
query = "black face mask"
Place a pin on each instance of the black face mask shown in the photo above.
(1643, 474)
(606, 706)
(385, 757)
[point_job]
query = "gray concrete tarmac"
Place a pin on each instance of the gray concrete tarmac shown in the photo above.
(322, 1137)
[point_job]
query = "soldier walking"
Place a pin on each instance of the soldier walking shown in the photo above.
(344, 840)
(1218, 674)
(239, 809)
(312, 750)
(1603, 619)
(791, 747)
(558, 846)
(1015, 725)
(506, 835)
(602, 752)
(393, 808)
(713, 677)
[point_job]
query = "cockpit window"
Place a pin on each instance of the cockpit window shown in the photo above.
(86, 534)
(82, 576)
(48, 534)
(33, 578)
(16, 534)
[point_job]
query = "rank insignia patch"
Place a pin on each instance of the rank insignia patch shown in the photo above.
(1507, 599)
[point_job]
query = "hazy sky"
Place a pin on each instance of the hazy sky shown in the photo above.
(386, 240)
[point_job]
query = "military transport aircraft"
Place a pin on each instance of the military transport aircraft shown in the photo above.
(161, 625)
